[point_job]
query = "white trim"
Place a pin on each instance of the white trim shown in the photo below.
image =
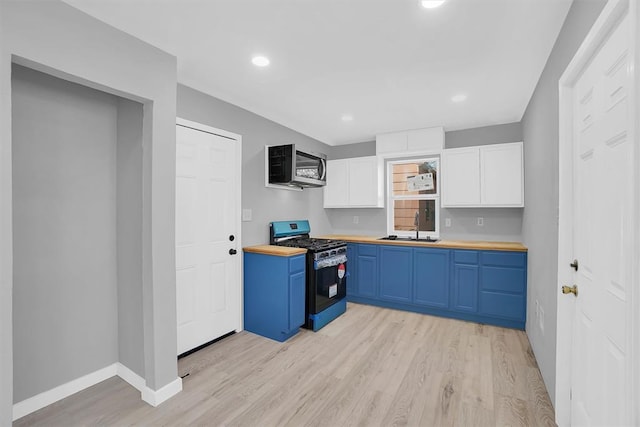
(156, 397)
(48, 397)
(612, 14)
(134, 380)
(208, 129)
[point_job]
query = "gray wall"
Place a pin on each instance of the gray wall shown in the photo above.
(360, 149)
(540, 219)
(267, 204)
(64, 231)
(129, 235)
(499, 224)
(55, 38)
(496, 134)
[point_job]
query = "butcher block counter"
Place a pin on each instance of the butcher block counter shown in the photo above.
(444, 244)
(274, 250)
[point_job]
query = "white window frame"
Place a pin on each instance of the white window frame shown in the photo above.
(391, 198)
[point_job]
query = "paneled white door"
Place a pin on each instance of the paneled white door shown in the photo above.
(208, 279)
(602, 241)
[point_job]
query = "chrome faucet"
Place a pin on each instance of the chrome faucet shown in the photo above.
(416, 222)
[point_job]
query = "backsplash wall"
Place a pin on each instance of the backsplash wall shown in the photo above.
(500, 224)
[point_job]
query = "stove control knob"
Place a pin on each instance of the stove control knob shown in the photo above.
(342, 250)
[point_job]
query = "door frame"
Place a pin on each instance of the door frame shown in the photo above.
(238, 191)
(613, 12)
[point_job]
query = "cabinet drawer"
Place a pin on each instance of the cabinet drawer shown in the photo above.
(368, 250)
(296, 264)
(504, 259)
(465, 257)
(503, 279)
(502, 305)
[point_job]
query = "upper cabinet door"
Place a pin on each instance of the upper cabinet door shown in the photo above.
(502, 180)
(336, 191)
(365, 187)
(461, 177)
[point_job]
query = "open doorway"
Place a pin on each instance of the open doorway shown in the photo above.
(77, 232)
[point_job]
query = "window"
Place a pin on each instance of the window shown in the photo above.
(414, 199)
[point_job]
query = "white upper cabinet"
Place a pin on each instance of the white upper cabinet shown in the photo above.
(354, 183)
(484, 176)
(336, 190)
(460, 177)
(417, 141)
(501, 175)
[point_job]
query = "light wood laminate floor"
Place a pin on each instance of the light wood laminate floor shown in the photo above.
(369, 367)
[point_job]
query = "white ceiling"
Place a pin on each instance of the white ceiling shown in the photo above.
(391, 64)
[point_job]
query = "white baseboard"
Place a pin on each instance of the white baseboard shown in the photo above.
(152, 397)
(135, 380)
(156, 397)
(46, 398)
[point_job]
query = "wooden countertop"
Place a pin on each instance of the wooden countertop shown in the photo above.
(449, 244)
(274, 250)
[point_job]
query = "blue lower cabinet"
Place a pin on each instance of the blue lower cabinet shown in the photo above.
(431, 277)
(366, 274)
(274, 295)
(396, 267)
(352, 255)
(296, 299)
(465, 288)
(503, 283)
(481, 286)
(464, 292)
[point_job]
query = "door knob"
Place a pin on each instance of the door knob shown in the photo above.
(574, 265)
(232, 252)
(570, 290)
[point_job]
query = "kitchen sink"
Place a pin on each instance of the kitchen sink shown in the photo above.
(409, 239)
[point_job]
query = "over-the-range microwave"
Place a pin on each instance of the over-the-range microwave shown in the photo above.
(290, 166)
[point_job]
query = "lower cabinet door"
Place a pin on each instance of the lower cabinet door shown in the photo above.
(352, 271)
(296, 300)
(367, 271)
(465, 287)
(395, 273)
(431, 277)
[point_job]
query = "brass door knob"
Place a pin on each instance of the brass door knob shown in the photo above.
(570, 290)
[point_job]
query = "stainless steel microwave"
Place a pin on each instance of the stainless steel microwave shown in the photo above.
(296, 168)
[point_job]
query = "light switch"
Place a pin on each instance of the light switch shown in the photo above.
(246, 214)
(447, 222)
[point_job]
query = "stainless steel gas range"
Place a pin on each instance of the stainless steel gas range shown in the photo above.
(326, 276)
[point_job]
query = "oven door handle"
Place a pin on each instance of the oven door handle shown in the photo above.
(329, 262)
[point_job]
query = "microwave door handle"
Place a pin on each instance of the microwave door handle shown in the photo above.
(323, 164)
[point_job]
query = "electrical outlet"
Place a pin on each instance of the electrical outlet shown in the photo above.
(447, 222)
(246, 214)
(356, 219)
(480, 221)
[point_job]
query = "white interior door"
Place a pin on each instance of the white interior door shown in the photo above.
(600, 236)
(207, 272)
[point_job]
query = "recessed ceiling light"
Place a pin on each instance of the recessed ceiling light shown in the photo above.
(459, 98)
(432, 4)
(260, 61)
(347, 118)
